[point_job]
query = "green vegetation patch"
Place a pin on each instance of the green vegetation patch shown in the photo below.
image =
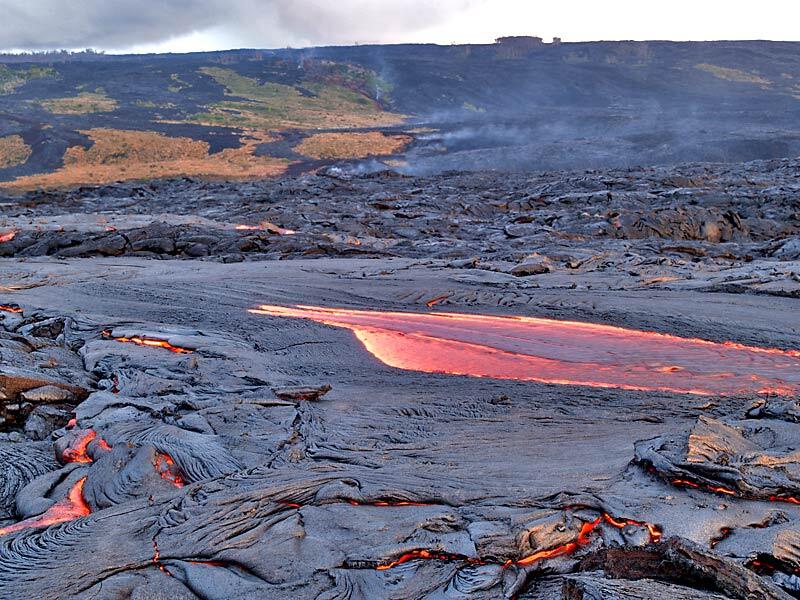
(736, 75)
(277, 106)
(11, 79)
(13, 151)
(82, 104)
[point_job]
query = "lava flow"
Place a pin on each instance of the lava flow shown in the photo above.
(584, 538)
(76, 452)
(147, 342)
(7, 236)
(11, 308)
(71, 507)
(266, 226)
(165, 467)
(718, 489)
(559, 352)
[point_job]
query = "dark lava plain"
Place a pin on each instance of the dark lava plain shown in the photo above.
(160, 441)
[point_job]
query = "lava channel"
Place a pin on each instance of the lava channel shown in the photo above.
(559, 352)
(70, 508)
(147, 342)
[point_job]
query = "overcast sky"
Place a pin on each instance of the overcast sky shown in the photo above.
(190, 25)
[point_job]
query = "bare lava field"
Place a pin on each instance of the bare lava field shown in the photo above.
(338, 380)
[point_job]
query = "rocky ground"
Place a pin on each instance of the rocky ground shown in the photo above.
(160, 441)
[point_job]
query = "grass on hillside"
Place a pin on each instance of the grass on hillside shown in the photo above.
(13, 151)
(736, 75)
(277, 106)
(11, 79)
(82, 104)
(351, 145)
(118, 155)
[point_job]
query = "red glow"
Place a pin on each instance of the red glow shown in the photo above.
(559, 352)
(7, 236)
(71, 507)
(266, 226)
(434, 301)
(427, 555)
(165, 467)
(717, 489)
(76, 452)
(789, 499)
(583, 539)
(148, 342)
(71, 423)
(384, 503)
(157, 559)
(10, 308)
(724, 533)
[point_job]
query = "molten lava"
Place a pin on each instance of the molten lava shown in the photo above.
(428, 555)
(148, 342)
(76, 451)
(165, 467)
(11, 308)
(718, 489)
(7, 236)
(584, 538)
(559, 352)
(266, 226)
(71, 507)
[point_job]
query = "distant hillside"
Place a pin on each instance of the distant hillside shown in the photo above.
(516, 105)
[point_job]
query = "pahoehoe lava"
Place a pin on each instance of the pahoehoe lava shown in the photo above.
(540, 387)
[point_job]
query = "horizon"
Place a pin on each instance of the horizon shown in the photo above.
(546, 42)
(186, 26)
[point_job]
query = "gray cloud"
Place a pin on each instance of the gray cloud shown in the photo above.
(119, 24)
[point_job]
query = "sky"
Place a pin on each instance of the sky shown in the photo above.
(117, 26)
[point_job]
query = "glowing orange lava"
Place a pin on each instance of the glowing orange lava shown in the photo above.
(7, 236)
(71, 507)
(584, 538)
(165, 466)
(148, 342)
(11, 308)
(76, 451)
(266, 226)
(717, 489)
(427, 555)
(559, 352)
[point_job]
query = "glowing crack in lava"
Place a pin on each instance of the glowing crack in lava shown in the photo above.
(147, 342)
(11, 308)
(67, 509)
(7, 236)
(559, 352)
(584, 538)
(165, 467)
